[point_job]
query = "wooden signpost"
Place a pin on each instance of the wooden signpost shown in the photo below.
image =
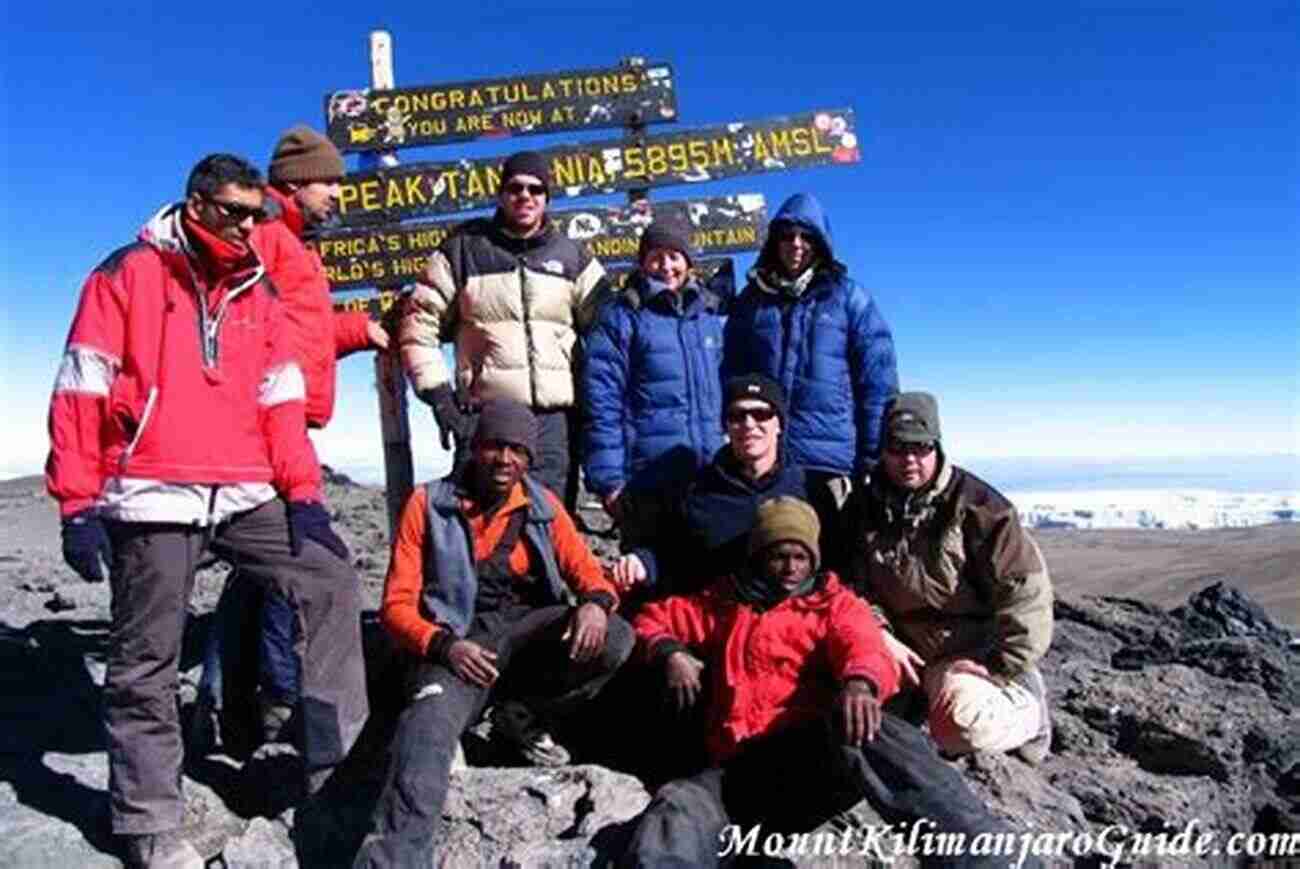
(377, 249)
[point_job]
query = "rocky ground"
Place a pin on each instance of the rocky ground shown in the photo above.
(1164, 717)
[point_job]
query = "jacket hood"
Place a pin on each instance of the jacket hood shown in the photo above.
(163, 232)
(806, 212)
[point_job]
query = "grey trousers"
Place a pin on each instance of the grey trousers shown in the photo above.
(152, 578)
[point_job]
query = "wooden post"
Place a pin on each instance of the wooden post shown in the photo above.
(399, 469)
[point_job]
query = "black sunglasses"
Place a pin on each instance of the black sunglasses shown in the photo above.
(236, 213)
(514, 188)
(904, 449)
(759, 414)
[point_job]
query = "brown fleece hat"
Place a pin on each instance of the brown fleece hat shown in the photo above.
(302, 154)
(786, 518)
(666, 234)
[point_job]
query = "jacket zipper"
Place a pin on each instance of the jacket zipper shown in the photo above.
(139, 431)
(528, 332)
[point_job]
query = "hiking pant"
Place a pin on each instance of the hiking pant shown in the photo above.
(535, 669)
(552, 466)
(973, 713)
(151, 580)
(795, 779)
(278, 670)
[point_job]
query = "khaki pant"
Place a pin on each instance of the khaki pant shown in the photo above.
(970, 713)
(152, 577)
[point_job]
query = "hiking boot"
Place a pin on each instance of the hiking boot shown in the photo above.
(515, 727)
(1035, 751)
(274, 718)
(168, 850)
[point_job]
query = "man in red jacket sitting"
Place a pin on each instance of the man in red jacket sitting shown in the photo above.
(797, 669)
(177, 427)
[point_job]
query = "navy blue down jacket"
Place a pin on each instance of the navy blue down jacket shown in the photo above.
(827, 345)
(651, 382)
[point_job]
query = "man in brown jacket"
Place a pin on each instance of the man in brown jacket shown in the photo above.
(961, 588)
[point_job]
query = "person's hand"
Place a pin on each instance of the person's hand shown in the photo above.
(586, 632)
(610, 503)
(859, 712)
(377, 335)
(473, 663)
(309, 520)
(86, 546)
(910, 664)
(684, 678)
(627, 572)
(449, 415)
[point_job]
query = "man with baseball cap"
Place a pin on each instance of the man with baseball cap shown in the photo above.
(513, 293)
(961, 587)
(796, 671)
(496, 597)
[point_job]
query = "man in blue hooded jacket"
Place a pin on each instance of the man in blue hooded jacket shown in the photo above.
(802, 321)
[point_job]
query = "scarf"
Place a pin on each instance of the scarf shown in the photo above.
(778, 284)
(763, 594)
(219, 256)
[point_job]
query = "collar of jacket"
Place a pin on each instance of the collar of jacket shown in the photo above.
(818, 594)
(727, 466)
(912, 508)
(165, 233)
(283, 208)
(815, 282)
(453, 498)
(692, 296)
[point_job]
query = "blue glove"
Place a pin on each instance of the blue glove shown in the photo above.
(86, 547)
(309, 520)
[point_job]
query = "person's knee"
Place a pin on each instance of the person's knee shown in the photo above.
(620, 640)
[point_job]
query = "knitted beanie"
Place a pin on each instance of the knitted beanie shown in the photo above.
(786, 518)
(754, 386)
(668, 235)
(526, 163)
(508, 421)
(302, 155)
(912, 418)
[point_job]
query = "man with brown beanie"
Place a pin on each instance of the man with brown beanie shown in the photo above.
(304, 174)
(796, 670)
(961, 587)
(496, 597)
(513, 293)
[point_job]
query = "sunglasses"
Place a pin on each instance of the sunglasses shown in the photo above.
(758, 414)
(515, 188)
(236, 213)
(792, 235)
(918, 450)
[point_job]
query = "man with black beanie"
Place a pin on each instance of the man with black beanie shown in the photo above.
(513, 293)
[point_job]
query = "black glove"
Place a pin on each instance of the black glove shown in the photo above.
(309, 520)
(86, 546)
(448, 414)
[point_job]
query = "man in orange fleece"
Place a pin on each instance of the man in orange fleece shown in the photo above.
(482, 586)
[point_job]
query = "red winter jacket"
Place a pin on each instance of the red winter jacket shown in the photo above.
(773, 669)
(159, 393)
(320, 336)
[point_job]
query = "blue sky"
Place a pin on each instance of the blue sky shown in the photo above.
(1078, 218)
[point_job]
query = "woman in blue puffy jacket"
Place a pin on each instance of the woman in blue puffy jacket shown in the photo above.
(651, 378)
(802, 321)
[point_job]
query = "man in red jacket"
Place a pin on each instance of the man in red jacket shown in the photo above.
(177, 426)
(797, 669)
